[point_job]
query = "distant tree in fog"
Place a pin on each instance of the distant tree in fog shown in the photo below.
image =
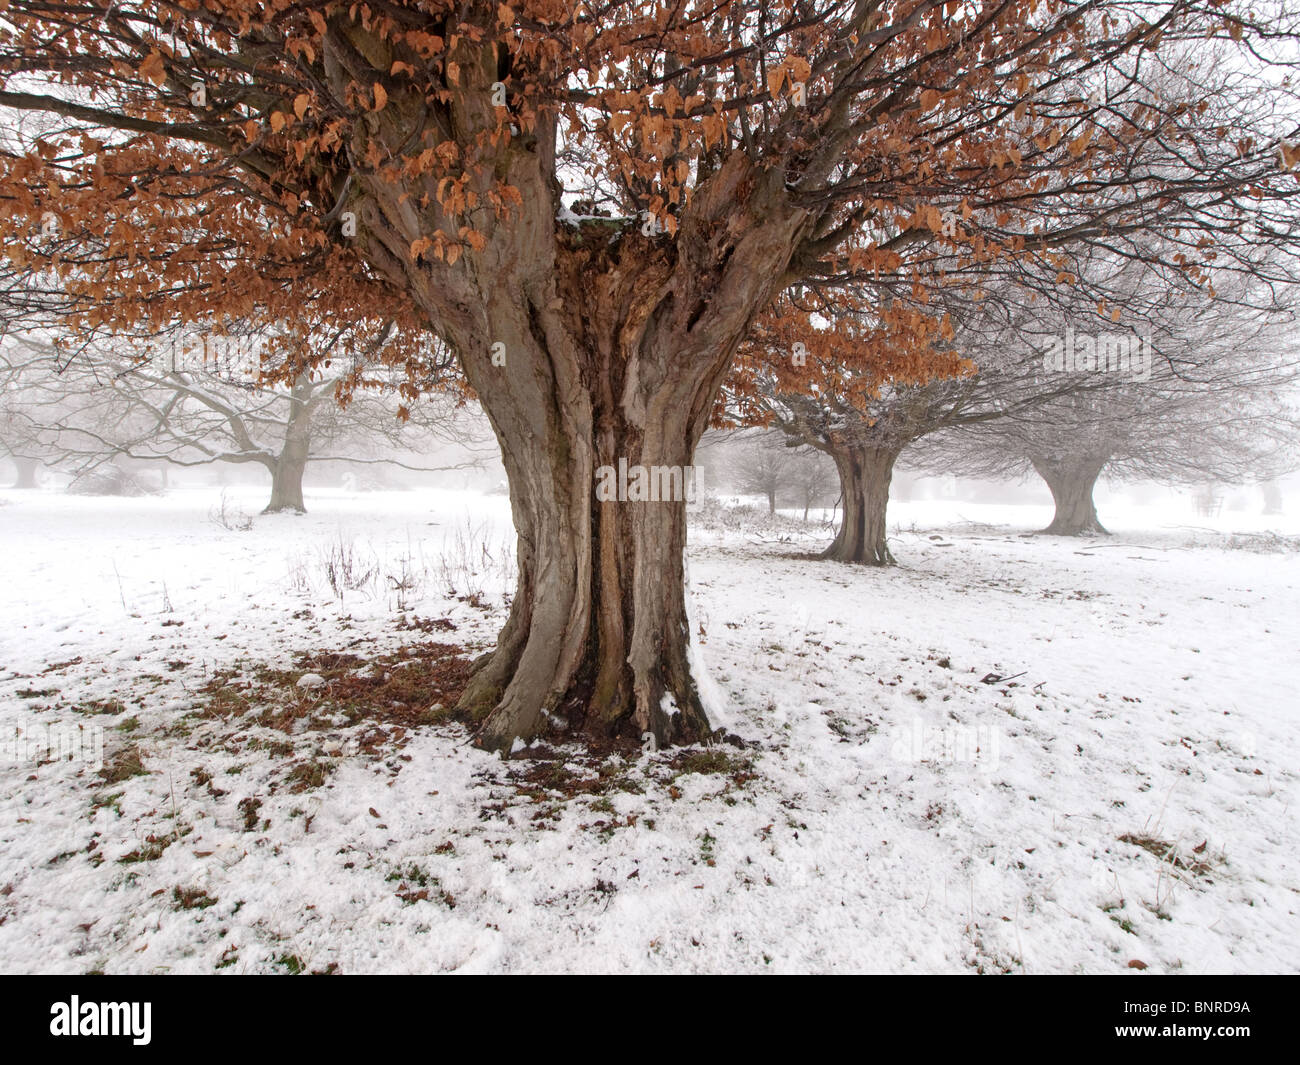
(761, 465)
(101, 404)
(1219, 404)
(813, 480)
(770, 465)
(1272, 496)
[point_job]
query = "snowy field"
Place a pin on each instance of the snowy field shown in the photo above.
(1008, 753)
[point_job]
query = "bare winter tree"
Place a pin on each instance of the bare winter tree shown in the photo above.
(1213, 397)
(13, 444)
(761, 464)
(812, 479)
(101, 404)
(776, 467)
(863, 422)
(864, 411)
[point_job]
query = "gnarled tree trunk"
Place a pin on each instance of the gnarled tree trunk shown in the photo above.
(1072, 482)
(598, 637)
(865, 473)
(588, 345)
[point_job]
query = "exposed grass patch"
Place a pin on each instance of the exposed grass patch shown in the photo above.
(307, 774)
(101, 706)
(149, 851)
(739, 768)
(1169, 853)
(291, 963)
(413, 687)
(249, 810)
(191, 899)
(124, 765)
(416, 885)
(542, 779)
(1124, 923)
(108, 801)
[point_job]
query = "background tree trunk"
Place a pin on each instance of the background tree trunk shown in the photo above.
(27, 469)
(865, 473)
(289, 467)
(286, 482)
(1072, 484)
(1272, 497)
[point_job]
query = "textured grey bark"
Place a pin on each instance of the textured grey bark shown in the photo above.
(608, 344)
(865, 473)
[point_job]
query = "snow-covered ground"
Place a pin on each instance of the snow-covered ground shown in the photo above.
(1006, 753)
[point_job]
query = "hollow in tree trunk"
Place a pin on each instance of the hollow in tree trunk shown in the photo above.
(1072, 482)
(865, 473)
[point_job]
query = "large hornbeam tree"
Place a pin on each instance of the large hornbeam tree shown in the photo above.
(591, 203)
(863, 383)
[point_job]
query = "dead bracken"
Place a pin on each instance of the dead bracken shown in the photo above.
(414, 686)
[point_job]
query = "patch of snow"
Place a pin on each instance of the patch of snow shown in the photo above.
(711, 696)
(1010, 752)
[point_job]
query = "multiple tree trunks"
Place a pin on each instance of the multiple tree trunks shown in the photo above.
(865, 473)
(588, 345)
(597, 639)
(1072, 482)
